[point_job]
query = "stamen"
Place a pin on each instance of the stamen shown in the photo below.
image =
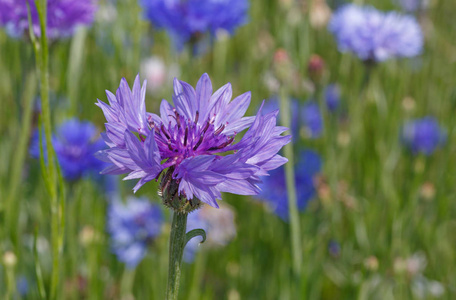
(185, 137)
(199, 142)
(206, 127)
(197, 117)
(163, 128)
(220, 129)
(230, 140)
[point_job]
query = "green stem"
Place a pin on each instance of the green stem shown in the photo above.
(19, 156)
(295, 227)
(75, 64)
(176, 249)
(51, 173)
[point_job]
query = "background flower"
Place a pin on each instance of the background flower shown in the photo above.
(312, 119)
(423, 135)
(375, 36)
(132, 226)
(332, 97)
(62, 16)
(186, 20)
(75, 144)
(218, 224)
(274, 189)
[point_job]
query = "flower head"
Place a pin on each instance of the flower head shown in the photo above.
(186, 20)
(132, 226)
(218, 225)
(190, 144)
(75, 145)
(423, 135)
(274, 190)
(375, 36)
(62, 16)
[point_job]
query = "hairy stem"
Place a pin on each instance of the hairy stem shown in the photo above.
(177, 242)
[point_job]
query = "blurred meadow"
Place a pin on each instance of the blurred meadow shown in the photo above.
(377, 222)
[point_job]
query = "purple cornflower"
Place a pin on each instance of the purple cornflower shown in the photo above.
(312, 119)
(218, 225)
(423, 135)
(190, 140)
(62, 16)
(274, 190)
(332, 97)
(75, 145)
(188, 20)
(375, 36)
(132, 226)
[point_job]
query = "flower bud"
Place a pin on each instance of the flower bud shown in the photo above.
(282, 66)
(316, 68)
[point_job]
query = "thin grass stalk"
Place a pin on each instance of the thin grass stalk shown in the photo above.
(295, 227)
(51, 173)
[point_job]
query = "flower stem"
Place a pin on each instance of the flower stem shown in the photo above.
(177, 243)
(295, 226)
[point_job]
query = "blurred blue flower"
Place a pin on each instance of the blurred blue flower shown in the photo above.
(274, 189)
(332, 97)
(132, 226)
(272, 104)
(375, 36)
(75, 145)
(334, 248)
(22, 285)
(63, 16)
(412, 5)
(218, 224)
(312, 119)
(188, 20)
(423, 135)
(306, 116)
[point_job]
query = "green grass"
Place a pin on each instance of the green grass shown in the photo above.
(370, 196)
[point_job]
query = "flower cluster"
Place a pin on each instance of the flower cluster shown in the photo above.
(62, 16)
(191, 144)
(375, 36)
(186, 20)
(75, 145)
(132, 226)
(274, 190)
(423, 135)
(218, 225)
